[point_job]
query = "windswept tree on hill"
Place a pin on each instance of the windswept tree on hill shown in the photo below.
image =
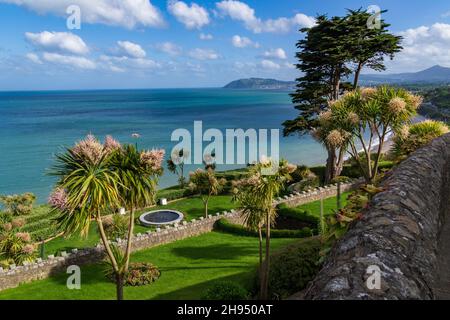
(333, 50)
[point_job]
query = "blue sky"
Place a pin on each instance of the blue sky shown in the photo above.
(159, 43)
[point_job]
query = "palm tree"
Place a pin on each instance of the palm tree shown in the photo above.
(256, 196)
(86, 188)
(95, 178)
(138, 175)
(206, 184)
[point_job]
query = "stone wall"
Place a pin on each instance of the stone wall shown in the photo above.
(298, 198)
(41, 269)
(398, 235)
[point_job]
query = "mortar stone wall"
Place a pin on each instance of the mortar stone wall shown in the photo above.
(398, 234)
(41, 269)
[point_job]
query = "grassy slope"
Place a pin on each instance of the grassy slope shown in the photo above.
(188, 268)
(329, 205)
(192, 208)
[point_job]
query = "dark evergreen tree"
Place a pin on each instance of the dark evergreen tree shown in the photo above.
(333, 50)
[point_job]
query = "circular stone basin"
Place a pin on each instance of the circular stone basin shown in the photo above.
(160, 217)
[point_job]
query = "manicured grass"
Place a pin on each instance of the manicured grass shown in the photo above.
(329, 205)
(192, 208)
(188, 267)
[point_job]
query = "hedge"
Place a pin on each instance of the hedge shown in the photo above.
(299, 214)
(292, 268)
(173, 193)
(237, 229)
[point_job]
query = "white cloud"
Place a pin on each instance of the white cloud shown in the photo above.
(267, 64)
(278, 53)
(34, 58)
(169, 48)
(240, 11)
(58, 41)
(193, 16)
(125, 13)
(242, 42)
(206, 36)
(74, 61)
(203, 54)
(132, 50)
(424, 46)
(123, 63)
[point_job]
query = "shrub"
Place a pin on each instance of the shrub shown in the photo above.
(409, 139)
(5, 217)
(173, 193)
(16, 247)
(116, 226)
(226, 290)
(293, 267)
(139, 274)
(18, 205)
(299, 214)
(240, 230)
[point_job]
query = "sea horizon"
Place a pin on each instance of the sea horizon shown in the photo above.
(38, 124)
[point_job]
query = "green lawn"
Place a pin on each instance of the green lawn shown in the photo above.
(192, 208)
(188, 267)
(329, 205)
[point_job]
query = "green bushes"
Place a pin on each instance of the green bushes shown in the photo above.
(228, 227)
(296, 213)
(409, 139)
(293, 267)
(226, 290)
(139, 274)
(173, 193)
(116, 226)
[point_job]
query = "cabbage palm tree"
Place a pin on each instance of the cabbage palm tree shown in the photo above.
(206, 184)
(138, 173)
(86, 188)
(367, 116)
(95, 178)
(256, 196)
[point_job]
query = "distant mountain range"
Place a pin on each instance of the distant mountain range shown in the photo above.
(261, 84)
(436, 74)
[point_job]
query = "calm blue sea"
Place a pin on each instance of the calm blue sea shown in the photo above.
(36, 125)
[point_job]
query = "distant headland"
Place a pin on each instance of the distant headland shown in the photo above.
(261, 84)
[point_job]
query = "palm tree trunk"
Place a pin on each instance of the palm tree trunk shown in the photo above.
(119, 286)
(265, 289)
(260, 246)
(130, 237)
(106, 243)
(205, 202)
(331, 165)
